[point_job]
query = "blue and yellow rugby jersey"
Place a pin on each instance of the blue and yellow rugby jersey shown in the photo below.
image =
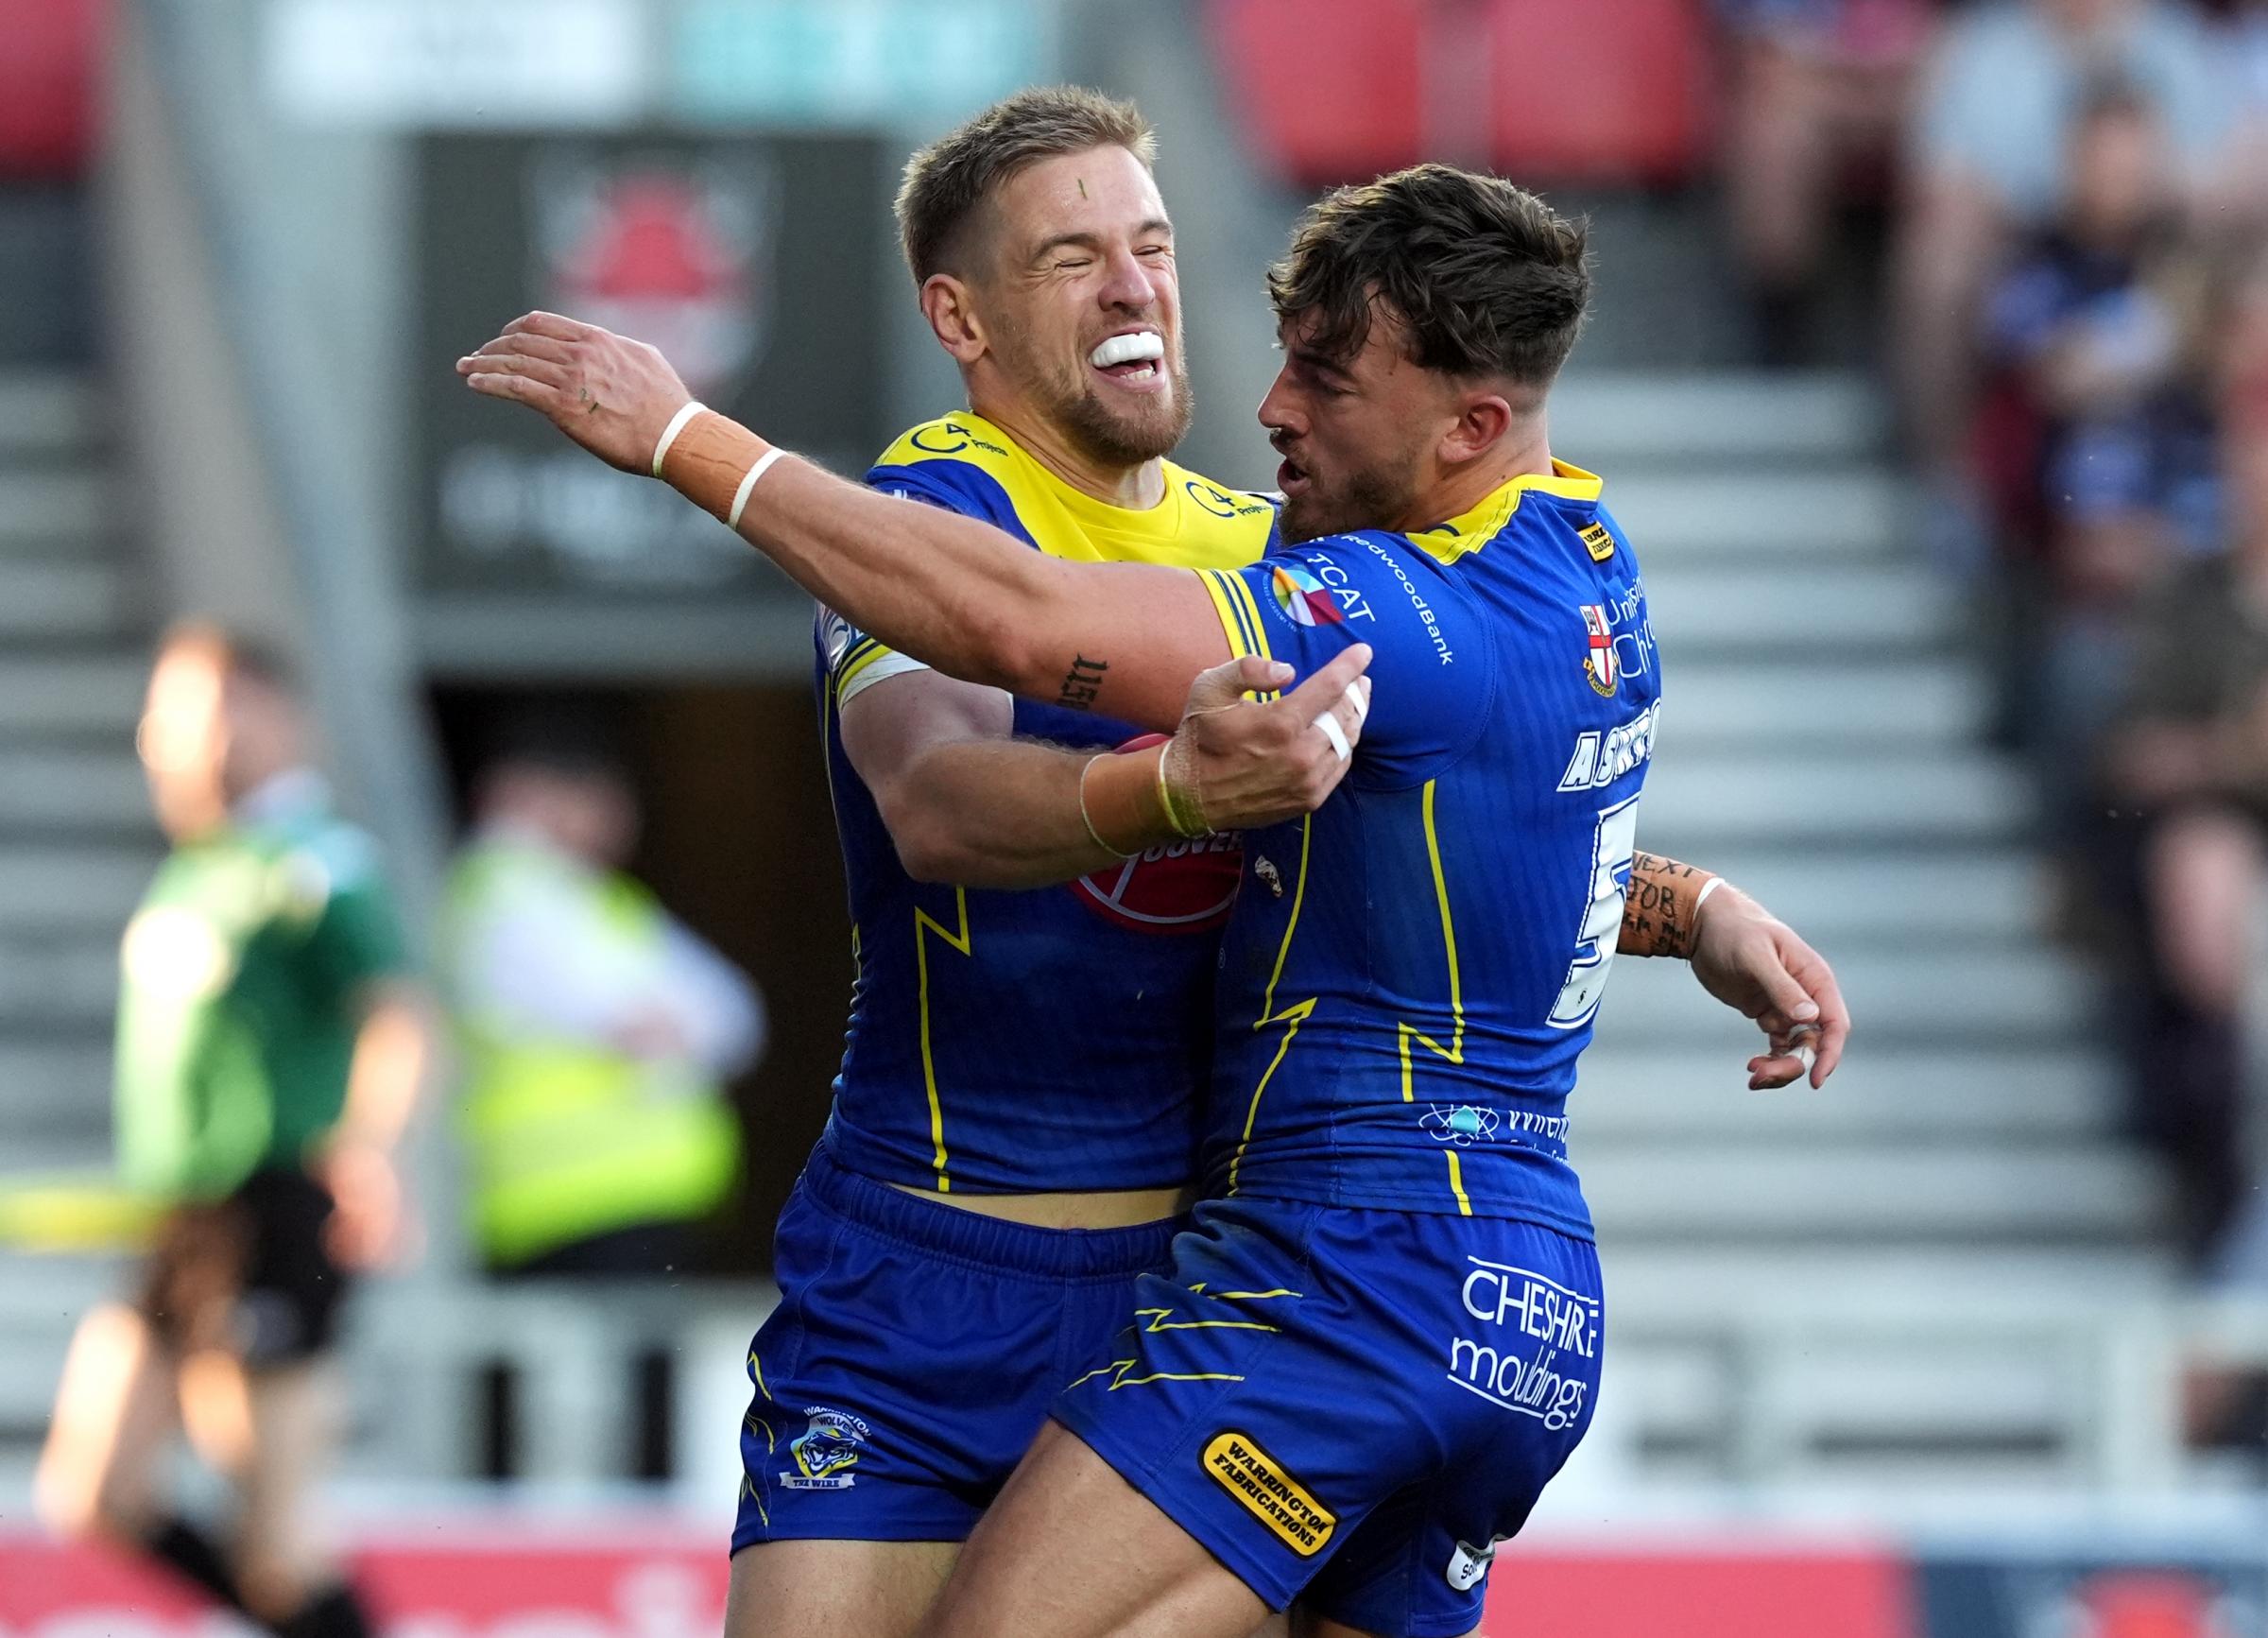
(1413, 970)
(1052, 1038)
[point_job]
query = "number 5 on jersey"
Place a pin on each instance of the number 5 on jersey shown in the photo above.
(1611, 847)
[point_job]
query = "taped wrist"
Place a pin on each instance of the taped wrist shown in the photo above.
(709, 462)
(1123, 802)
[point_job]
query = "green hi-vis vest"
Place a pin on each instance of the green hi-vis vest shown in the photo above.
(566, 1139)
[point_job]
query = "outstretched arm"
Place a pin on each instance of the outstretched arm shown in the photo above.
(1125, 639)
(1748, 959)
(966, 802)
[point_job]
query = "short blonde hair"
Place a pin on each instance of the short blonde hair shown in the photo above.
(946, 183)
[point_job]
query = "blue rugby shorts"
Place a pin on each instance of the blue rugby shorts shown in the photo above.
(1351, 1407)
(914, 1355)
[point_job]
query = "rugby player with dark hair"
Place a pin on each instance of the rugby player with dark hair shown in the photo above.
(1054, 292)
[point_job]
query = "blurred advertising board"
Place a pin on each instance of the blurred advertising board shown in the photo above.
(833, 63)
(666, 1579)
(756, 264)
(512, 64)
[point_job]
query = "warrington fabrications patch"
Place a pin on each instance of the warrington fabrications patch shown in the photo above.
(1598, 540)
(1276, 1499)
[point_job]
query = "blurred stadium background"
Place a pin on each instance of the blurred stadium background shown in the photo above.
(1923, 442)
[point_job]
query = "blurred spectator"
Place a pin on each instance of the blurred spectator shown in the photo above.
(2240, 192)
(1819, 88)
(2102, 443)
(2193, 756)
(599, 1033)
(1988, 160)
(269, 1053)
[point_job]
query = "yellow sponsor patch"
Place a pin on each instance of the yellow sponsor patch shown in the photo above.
(1598, 541)
(1280, 1501)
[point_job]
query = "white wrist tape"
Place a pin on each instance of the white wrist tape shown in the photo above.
(1702, 897)
(748, 485)
(676, 424)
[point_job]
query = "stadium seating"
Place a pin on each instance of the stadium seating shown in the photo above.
(1329, 91)
(47, 85)
(1328, 88)
(1610, 91)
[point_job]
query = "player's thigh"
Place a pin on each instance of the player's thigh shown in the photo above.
(295, 1415)
(834, 1589)
(114, 1416)
(1072, 1550)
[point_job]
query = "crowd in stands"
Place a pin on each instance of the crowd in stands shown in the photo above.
(2075, 323)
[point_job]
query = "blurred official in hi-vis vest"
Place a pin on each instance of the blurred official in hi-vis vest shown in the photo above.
(598, 1032)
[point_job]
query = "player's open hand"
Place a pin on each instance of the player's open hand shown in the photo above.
(1259, 764)
(611, 394)
(1749, 959)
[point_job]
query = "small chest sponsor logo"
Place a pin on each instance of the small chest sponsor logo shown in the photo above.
(1304, 597)
(1274, 1497)
(1599, 663)
(1598, 540)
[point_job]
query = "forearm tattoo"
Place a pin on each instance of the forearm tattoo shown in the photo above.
(1658, 910)
(1082, 682)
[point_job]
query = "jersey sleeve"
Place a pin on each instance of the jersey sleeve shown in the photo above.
(356, 939)
(855, 662)
(1432, 684)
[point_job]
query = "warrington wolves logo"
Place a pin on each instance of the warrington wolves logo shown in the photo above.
(825, 1451)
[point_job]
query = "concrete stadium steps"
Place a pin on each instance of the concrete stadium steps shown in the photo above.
(1889, 1274)
(55, 1095)
(96, 697)
(1610, 420)
(1788, 516)
(1928, 894)
(50, 982)
(76, 841)
(1854, 794)
(1654, 1290)
(48, 413)
(55, 509)
(73, 791)
(74, 887)
(1798, 709)
(1825, 614)
(43, 603)
(1862, 1192)
(2022, 995)
(1886, 1095)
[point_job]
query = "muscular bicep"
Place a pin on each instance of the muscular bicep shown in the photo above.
(888, 728)
(963, 800)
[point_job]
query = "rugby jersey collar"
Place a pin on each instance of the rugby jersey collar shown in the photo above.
(1161, 523)
(1472, 530)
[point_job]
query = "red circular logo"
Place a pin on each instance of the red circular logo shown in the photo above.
(1177, 886)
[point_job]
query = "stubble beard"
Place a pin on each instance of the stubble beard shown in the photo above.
(1374, 497)
(1106, 435)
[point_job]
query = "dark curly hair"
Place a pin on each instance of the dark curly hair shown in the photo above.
(1479, 278)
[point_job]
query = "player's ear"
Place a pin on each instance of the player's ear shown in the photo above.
(946, 303)
(1483, 418)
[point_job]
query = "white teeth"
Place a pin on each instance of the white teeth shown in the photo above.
(1129, 349)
